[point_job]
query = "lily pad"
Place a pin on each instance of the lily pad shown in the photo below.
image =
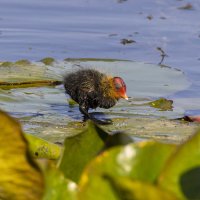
(23, 62)
(18, 72)
(48, 61)
(45, 111)
(162, 104)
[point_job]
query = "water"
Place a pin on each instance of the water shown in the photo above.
(91, 28)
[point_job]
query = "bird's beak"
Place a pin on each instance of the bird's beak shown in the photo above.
(125, 97)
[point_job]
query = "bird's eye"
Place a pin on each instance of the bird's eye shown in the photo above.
(118, 86)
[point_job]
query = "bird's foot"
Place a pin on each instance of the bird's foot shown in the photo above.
(97, 121)
(102, 122)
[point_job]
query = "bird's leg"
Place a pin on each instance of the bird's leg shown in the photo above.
(84, 110)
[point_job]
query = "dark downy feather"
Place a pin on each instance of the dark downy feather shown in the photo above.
(86, 87)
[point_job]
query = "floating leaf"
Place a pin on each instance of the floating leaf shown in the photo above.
(25, 84)
(40, 148)
(40, 108)
(181, 166)
(20, 179)
(6, 64)
(162, 103)
(57, 187)
(23, 62)
(92, 59)
(48, 60)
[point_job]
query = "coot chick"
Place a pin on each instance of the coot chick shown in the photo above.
(91, 89)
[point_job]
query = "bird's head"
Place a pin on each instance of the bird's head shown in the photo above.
(120, 88)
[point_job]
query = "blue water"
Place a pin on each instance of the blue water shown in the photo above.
(91, 28)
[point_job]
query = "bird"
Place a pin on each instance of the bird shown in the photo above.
(91, 88)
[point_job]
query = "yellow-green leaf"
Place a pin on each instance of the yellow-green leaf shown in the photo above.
(162, 104)
(21, 178)
(181, 174)
(142, 161)
(57, 186)
(127, 189)
(80, 149)
(40, 148)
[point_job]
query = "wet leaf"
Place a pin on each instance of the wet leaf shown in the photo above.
(21, 178)
(8, 85)
(40, 148)
(40, 108)
(181, 166)
(92, 59)
(57, 187)
(162, 104)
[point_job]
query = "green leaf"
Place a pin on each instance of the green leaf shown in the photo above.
(6, 64)
(40, 148)
(142, 161)
(48, 60)
(21, 178)
(127, 189)
(57, 187)
(23, 62)
(191, 191)
(162, 104)
(121, 188)
(25, 84)
(80, 149)
(96, 188)
(183, 164)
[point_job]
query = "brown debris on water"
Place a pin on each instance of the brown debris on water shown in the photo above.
(188, 6)
(127, 41)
